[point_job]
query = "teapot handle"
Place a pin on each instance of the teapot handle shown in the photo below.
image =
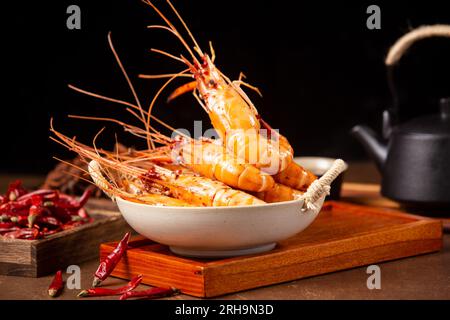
(407, 40)
(403, 44)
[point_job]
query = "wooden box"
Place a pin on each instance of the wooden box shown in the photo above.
(343, 236)
(35, 258)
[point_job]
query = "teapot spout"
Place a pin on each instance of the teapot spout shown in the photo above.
(369, 139)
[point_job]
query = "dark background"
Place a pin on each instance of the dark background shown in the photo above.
(320, 69)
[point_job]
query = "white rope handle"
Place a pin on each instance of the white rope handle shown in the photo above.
(95, 171)
(322, 185)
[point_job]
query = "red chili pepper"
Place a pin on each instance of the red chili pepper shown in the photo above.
(68, 202)
(57, 285)
(152, 293)
(20, 220)
(42, 192)
(15, 208)
(83, 213)
(6, 227)
(15, 190)
(72, 224)
(84, 198)
(25, 233)
(48, 220)
(97, 292)
(35, 211)
(109, 263)
(61, 213)
(46, 233)
(45, 210)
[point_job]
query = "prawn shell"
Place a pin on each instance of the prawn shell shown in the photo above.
(295, 176)
(264, 153)
(229, 111)
(215, 162)
(202, 191)
(279, 193)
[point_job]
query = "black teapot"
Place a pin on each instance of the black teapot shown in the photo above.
(415, 160)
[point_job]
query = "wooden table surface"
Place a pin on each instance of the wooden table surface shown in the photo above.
(421, 277)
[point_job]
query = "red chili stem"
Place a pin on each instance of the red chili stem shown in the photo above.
(98, 292)
(35, 211)
(56, 286)
(109, 263)
(152, 293)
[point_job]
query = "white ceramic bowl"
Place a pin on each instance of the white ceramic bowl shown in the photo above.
(223, 231)
(317, 165)
(219, 231)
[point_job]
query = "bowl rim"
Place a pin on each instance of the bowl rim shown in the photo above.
(328, 159)
(220, 208)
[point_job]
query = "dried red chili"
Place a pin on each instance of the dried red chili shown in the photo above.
(35, 211)
(67, 202)
(98, 292)
(84, 198)
(71, 225)
(57, 285)
(21, 221)
(15, 190)
(40, 192)
(25, 233)
(47, 233)
(83, 213)
(6, 227)
(152, 293)
(49, 221)
(46, 210)
(15, 208)
(109, 263)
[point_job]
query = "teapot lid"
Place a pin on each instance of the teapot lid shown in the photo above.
(438, 124)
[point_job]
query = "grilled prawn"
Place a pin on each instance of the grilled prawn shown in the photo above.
(191, 189)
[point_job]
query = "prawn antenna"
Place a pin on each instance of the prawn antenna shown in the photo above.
(130, 84)
(186, 27)
(172, 27)
(150, 108)
(167, 54)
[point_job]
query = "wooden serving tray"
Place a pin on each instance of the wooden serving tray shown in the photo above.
(342, 237)
(35, 258)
